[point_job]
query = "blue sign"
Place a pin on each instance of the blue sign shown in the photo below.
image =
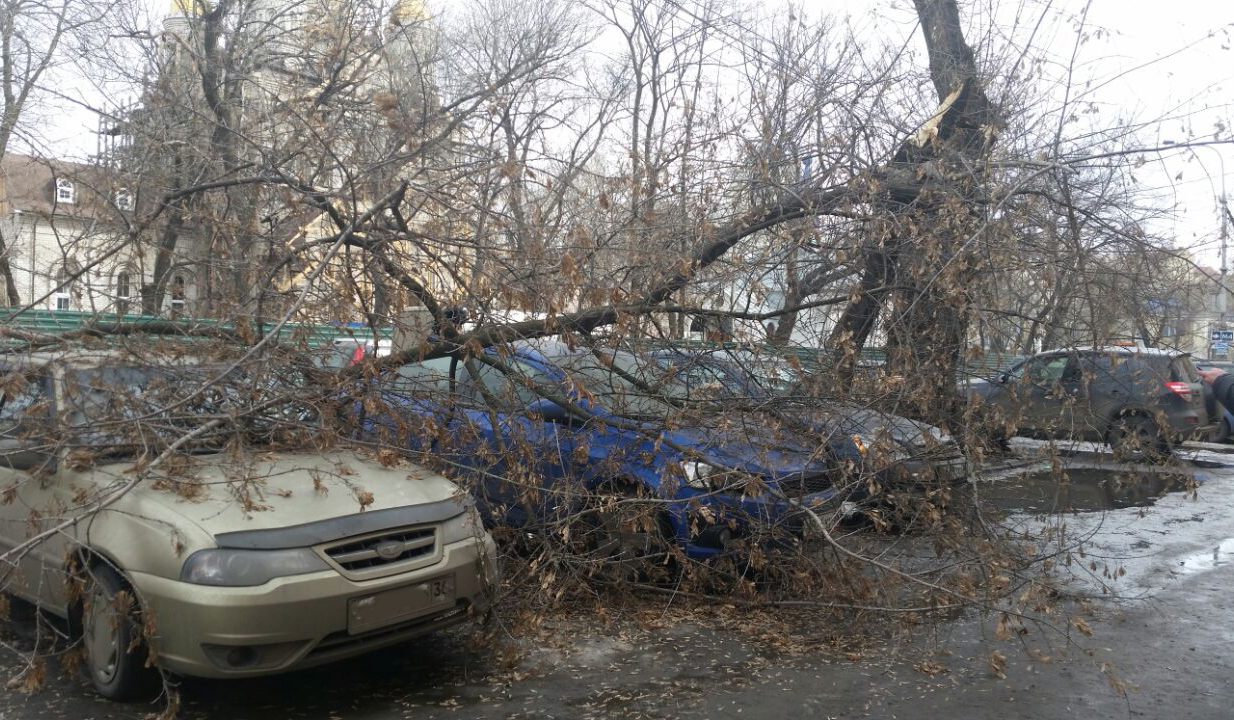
(1221, 348)
(1222, 336)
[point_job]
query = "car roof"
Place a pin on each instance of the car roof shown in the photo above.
(1119, 350)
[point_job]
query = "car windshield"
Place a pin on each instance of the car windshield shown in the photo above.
(627, 385)
(119, 407)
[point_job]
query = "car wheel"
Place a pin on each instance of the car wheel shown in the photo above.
(1136, 438)
(1221, 433)
(999, 440)
(109, 626)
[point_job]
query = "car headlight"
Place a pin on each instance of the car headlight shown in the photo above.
(464, 526)
(699, 474)
(242, 568)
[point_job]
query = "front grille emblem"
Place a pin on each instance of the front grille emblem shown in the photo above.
(389, 550)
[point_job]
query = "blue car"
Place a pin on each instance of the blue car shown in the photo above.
(564, 427)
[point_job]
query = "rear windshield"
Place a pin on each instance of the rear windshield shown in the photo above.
(1182, 370)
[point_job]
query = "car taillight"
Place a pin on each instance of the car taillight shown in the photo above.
(358, 355)
(1180, 389)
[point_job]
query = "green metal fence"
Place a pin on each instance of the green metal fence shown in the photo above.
(57, 322)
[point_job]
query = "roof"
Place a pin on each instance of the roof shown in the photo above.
(28, 184)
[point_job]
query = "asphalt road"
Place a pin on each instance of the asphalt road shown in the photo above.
(1161, 650)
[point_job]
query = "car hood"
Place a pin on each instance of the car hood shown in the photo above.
(871, 424)
(754, 447)
(229, 493)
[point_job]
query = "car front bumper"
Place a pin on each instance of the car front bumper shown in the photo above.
(706, 527)
(305, 620)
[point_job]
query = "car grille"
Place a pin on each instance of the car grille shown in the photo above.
(384, 550)
(799, 485)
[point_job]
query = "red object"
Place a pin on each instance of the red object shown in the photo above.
(358, 355)
(1181, 389)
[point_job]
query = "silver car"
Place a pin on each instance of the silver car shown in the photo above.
(245, 560)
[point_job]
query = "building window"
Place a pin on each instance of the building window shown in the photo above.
(124, 199)
(123, 291)
(62, 295)
(177, 295)
(65, 192)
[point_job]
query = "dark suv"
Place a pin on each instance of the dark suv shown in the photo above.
(1141, 401)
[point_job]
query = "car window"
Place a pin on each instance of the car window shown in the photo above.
(507, 390)
(427, 376)
(19, 394)
(706, 378)
(607, 381)
(101, 405)
(1046, 371)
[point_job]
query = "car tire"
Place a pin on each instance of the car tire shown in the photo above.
(110, 622)
(1137, 439)
(1221, 433)
(999, 440)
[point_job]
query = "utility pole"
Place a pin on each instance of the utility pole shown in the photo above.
(1221, 291)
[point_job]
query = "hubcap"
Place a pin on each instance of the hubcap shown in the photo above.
(102, 635)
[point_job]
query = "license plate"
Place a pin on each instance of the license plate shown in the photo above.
(390, 607)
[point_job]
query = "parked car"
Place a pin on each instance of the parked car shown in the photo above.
(714, 480)
(914, 453)
(344, 352)
(254, 557)
(1224, 428)
(1142, 401)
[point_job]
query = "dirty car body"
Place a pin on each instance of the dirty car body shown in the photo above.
(248, 560)
(898, 451)
(1142, 400)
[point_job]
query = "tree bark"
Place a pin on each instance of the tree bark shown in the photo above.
(931, 329)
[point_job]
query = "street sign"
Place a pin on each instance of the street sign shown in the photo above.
(1224, 336)
(1220, 349)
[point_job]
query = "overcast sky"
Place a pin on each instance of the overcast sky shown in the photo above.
(1168, 65)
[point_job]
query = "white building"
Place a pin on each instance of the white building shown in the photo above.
(68, 244)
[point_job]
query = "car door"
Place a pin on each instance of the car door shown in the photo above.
(1100, 394)
(1055, 383)
(31, 499)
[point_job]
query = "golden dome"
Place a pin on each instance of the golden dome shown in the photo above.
(189, 7)
(410, 11)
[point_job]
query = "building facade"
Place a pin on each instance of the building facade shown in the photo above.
(69, 243)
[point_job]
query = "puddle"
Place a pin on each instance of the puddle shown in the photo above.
(1082, 490)
(1222, 554)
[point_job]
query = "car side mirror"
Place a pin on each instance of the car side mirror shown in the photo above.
(1002, 379)
(547, 410)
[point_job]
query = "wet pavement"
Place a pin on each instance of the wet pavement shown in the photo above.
(1160, 649)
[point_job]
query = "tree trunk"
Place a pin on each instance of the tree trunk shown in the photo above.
(933, 325)
(6, 274)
